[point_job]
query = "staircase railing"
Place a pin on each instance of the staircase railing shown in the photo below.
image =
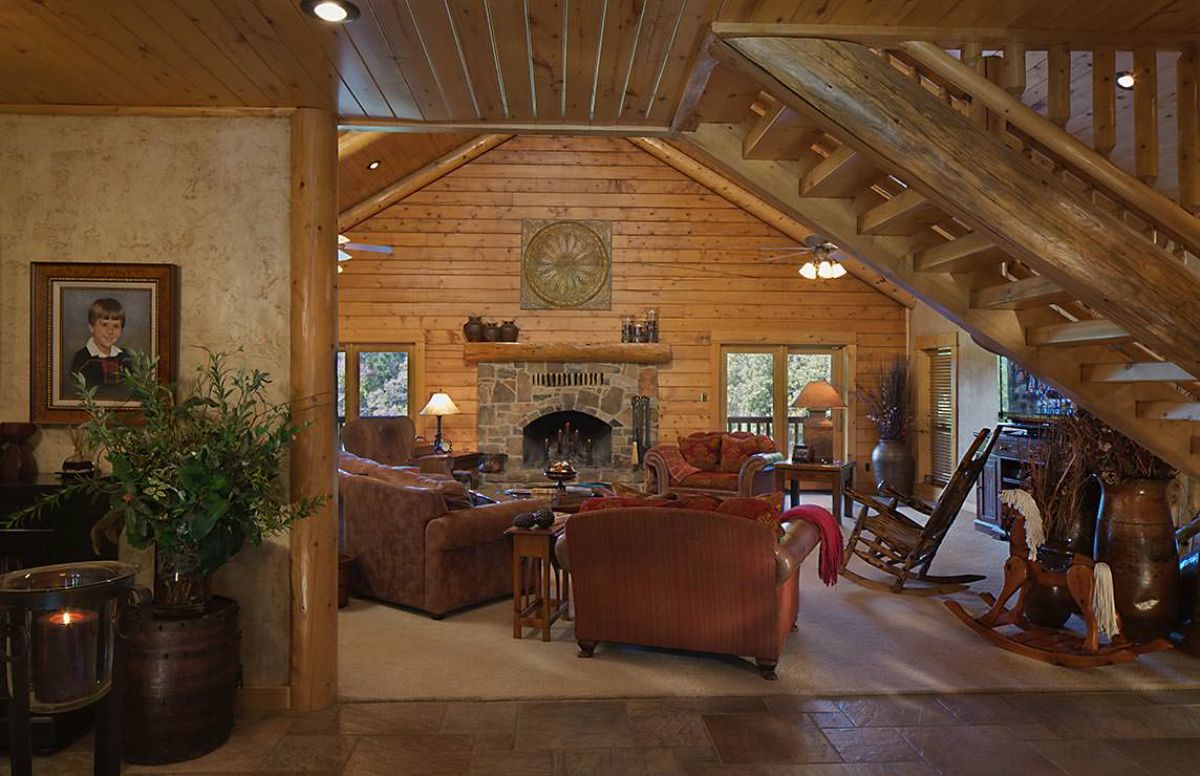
(972, 93)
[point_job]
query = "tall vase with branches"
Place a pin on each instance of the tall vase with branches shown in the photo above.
(889, 407)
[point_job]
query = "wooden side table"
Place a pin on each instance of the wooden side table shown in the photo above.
(839, 474)
(537, 579)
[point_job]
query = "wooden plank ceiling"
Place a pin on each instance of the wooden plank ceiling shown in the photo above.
(398, 154)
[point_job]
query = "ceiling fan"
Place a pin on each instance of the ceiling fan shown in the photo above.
(822, 265)
(345, 246)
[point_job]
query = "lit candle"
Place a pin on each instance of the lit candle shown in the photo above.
(65, 645)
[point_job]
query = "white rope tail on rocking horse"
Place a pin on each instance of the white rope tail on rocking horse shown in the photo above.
(1105, 603)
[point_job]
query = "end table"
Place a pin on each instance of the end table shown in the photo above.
(535, 604)
(838, 474)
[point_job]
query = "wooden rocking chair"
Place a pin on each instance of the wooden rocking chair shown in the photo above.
(898, 545)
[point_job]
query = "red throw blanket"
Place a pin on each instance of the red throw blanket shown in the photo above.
(831, 538)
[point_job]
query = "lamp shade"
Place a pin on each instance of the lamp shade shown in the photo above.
(819, 395)
(440, 404)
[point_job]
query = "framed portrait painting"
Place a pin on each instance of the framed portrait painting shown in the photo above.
(87, 319)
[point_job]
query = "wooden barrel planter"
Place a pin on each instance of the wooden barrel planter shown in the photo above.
(182, 679)
(1135, 536)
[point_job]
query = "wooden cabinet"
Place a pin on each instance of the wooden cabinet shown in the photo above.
(1005, 469)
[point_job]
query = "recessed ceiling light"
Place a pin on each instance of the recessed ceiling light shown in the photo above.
(336, 11)
(373, 164)
(1125, 79)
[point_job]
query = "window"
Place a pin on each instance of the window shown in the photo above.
(375, 381)
(759, 383)
(941, 415)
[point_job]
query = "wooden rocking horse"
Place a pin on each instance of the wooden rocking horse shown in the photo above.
(1082, 577)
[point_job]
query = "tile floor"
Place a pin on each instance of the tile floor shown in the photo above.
(906, 735)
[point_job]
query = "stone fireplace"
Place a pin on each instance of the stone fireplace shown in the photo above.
(525, 409)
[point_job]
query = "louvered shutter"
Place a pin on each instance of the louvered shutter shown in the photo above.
(941, 415)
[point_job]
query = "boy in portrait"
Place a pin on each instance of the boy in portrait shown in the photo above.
(100, 361)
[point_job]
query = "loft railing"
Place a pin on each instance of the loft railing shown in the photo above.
(764, 425)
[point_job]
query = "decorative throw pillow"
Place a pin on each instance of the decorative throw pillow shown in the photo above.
(700, 502)
(764, 508)
(738, 446)
(702, 450)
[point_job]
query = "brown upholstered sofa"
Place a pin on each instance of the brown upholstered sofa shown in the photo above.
(418, 540)
(685, 579)
(713, 463)
(392, 442)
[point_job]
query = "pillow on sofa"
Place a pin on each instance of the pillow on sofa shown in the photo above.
(764, 508)
(737, 446)
(454, 492)
(700, 502)
(702, 450)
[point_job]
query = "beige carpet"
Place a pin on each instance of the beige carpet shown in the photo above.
(851, 641)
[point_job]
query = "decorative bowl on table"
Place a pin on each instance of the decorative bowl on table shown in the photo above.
(560, 472)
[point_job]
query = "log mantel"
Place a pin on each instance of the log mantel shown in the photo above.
(607, 352)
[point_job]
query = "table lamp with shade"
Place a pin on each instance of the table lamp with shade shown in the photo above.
(818, 397)
(440, 404)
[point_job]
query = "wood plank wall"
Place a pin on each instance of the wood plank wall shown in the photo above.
(676, 246)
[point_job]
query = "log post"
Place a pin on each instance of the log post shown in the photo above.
(1145, 113)
(313, 397)
(1104, 100)
(1188, 111)
(1014, 69)
(1058, 64)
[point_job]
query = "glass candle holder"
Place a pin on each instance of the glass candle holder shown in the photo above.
(61, 619)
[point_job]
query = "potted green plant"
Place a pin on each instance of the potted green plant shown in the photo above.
(888, 407)
(196, 477)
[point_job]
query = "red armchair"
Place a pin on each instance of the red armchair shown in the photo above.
(685, 579)
(713, 463)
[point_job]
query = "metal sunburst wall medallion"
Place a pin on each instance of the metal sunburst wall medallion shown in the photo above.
(566, 265)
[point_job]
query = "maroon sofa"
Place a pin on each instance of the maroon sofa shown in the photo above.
(685, 579)
(715, 463)
(418, 540)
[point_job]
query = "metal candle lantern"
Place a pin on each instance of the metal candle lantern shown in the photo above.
(64, 629)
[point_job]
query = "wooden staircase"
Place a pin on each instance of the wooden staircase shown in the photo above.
(938, 177)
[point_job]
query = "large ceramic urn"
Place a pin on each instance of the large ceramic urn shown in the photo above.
(893, 464)
(1136, 538)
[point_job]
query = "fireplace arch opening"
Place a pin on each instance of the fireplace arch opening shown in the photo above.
(583, 439)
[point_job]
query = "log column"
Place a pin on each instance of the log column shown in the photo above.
(313, 396)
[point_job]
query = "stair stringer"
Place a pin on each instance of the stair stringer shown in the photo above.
(1002, 331)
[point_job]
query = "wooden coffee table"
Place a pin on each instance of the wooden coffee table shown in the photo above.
(839, 474)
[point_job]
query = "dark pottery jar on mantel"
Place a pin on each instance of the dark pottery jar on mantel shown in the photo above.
(491, 332)
(473, 329)
(509, 331)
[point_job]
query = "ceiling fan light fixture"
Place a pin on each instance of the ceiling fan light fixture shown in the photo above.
(332, 11)
(808, 270)
(1125, 80)
(837, 271)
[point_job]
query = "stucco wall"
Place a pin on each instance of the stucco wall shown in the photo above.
(210, 195)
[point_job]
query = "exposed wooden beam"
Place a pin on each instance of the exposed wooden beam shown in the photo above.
(762, 210)
(350, 143)
(969, 252)
(1002, 331)
(1104, 100)
(511, 128)
(906, 213)
(1145, 113)
(1075, 333)
(779, 134)
(882, 36)
(1169, 410)
(1019, 295)
(685, 111)
(1135, 372)
(390, 195)
(1035, 218)
(313, 397)
(1083, 161)
(844, 173)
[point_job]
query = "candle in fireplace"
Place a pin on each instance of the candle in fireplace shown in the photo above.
(65, 645)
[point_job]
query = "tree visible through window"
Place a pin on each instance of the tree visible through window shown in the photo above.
(373, 381)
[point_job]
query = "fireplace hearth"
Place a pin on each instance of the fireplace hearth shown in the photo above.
(582, 439)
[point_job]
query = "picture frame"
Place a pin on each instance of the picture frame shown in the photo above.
(87, 318)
